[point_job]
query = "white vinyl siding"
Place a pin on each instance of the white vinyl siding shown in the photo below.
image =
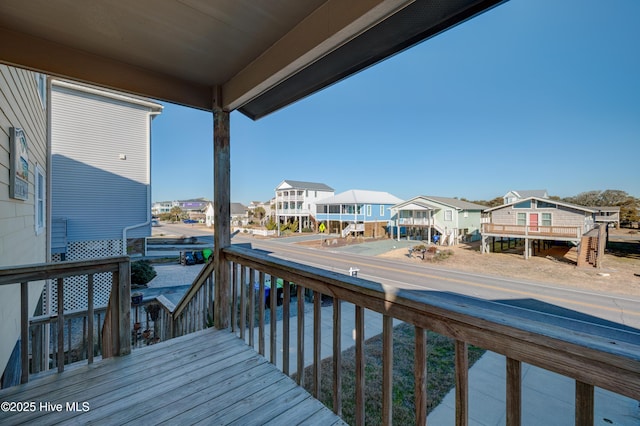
(100, 164)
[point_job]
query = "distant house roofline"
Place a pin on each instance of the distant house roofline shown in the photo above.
(546, 200)
(297, 184)
(450, 202)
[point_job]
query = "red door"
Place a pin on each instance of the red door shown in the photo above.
(533, 222)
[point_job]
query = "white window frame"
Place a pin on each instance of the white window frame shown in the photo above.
(542, 219)
(448, 215)
(381, 211)
(368, 210)
(40, 201)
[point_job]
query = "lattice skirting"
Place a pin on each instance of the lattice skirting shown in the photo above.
(75, 288)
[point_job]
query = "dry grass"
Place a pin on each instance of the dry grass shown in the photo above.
(440, 376)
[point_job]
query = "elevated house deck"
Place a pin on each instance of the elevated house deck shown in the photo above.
(222, 375)
(209, 376)
(298, 49)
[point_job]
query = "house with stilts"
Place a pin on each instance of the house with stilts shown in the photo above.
(296, 201)
(539, 222)
(357, 212)
(450, 220)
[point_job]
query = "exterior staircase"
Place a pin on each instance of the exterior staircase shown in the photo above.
(591, 250)
(353, 227)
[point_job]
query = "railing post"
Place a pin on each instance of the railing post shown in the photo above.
(462, 383)
(300, 318)
(90, 315)
(285, 326)
(273, 333)
(514, 392)
(24, 332)
(337, 357)
(584, 404)
(360, 360)
(262, 300)
(124, 308)
(420, 368)
(234, 296)
(116, 335)
(317, 343)
(387, 369)
(60, 324)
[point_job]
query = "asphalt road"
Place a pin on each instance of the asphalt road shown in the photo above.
(609, 314)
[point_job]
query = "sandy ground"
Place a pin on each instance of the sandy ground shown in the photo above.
(557, 266)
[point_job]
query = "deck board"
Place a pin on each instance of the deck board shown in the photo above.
(208, 377)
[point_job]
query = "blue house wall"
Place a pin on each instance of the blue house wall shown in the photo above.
(365, 213)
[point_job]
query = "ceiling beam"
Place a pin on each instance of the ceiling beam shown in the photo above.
(332, 25)
(37, 54)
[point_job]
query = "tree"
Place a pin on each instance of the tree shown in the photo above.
(589, 198)
(613, 197)
(271, 224)
(176, 213)
(260, 213)
(498, 201)
(610, 197)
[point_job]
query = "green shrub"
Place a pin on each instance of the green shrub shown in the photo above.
(142, 271)
(271, 225)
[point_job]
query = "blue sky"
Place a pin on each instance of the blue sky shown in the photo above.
(534, 94)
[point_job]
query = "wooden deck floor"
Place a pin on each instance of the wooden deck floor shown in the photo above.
(209, 377)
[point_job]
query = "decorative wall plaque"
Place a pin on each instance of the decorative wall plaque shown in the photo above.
(19, 179)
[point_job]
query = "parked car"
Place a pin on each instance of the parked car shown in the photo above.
(155, 222)
(189, 221)
(187, 258)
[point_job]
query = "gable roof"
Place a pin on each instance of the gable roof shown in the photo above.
(254, 56)
(238, 209)
(526, 193)
(421, 201)
(297, 184)
(546, 200)
(359, 196)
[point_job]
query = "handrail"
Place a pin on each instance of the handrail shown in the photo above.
(45, 271)
(116, 327)
(193, 311)
(199, 281)
(590, 359)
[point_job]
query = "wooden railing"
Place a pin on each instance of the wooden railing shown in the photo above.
(114, 330)
(532, 231)
(193, 312)
(589, 359)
